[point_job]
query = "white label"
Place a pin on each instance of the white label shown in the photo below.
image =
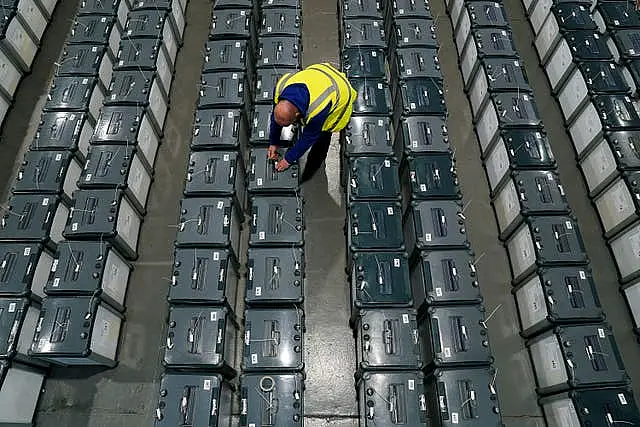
(258, 291)
(230, 114)
(423, 187)
(261, 134)
(265, 94)
(374, 53)
(622, 399)
(88, 177)
(12, 307)
(220, 204)
(411, 384)
(259, 182)
(601, 333)
(569, 225)
(58, 157)
(396, 262)
(269, 29)
(56, 282)
(94, 49)
(213, 316)
(447, 352)
(225, 158)
(242, 13)
(375, 24)
(27, 251)
(237, 44)
(454, 417)
(427, 237)
(412, 105)
(380, 122)
(405, 318)
(387, 163)
(389, 210)
(207, 385)
(408, 71)
(583, 276)
(265, 60)
(439, 292)
(74, 226)
(414, 144)
(85, 81)
(254, 358)
(261, 235)
(234, 76)
(216, 256)
(45, 201)
(380, 86)
(406, 39)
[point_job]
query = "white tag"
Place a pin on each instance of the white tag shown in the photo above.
(234, 76)
(56, 282)
(414, 144)
(406, 39)
(405, 318)
(438, 292)
(380, 122)
(583, 276)
(380, 86)
(207, 385)
(254, 358)
(427, 237)
(88, 177)
(411, 384)
(242, 13)
(569, 225)
(375, 24)
(94, 49)
(374, 53)
(259, 182)
(423, 187)
(27, 251)
(237, 44)
(230, 114)
(265, 60)
(45, 201)
(447, 352)
(261, 134)
(216, 256)
(504, 33)
(389, 210)
(265, 94)
(601, 333)
(225, 158)
(12, 307)
(220, 204)
(454, 417)
(412, 105)
(632, 51)
(74, 226)
(622, 399)
(261, 235)
(258, 291)
(396, 262)
(269, 29)
(387, 163)
(213, 316)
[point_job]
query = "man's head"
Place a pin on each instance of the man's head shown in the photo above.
(285, 113)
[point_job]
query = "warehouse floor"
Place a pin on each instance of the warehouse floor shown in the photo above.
(126, 396)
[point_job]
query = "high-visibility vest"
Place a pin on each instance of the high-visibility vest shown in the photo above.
(326, 84)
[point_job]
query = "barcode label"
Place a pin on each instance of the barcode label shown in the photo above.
(601, 333)
(622, 399)
(569, 225)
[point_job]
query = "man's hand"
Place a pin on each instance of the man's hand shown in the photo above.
(272, 152)
(282, 165)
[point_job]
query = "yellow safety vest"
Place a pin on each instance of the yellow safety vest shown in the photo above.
(326, 84)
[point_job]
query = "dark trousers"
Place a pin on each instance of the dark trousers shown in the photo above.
(317, 155)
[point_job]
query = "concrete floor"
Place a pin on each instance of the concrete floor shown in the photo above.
(126, 396)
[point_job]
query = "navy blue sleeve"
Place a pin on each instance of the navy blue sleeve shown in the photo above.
(298, 95)
(310, 134)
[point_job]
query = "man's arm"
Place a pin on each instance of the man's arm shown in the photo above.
(298, 95)
(310, 134)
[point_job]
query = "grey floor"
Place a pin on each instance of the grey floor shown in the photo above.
(125, 396)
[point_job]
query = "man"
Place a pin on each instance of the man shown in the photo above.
(321, 99)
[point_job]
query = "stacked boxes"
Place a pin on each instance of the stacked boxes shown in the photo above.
(554, 290)
(22, 25)
(416, 308)
(229, 179)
